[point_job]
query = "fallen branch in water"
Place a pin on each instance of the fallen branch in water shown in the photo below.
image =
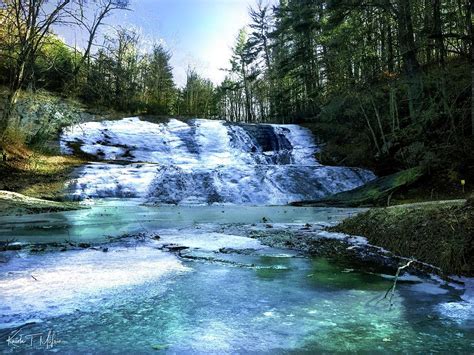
(391, 290)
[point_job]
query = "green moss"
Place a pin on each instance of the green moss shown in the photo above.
(374, 193)
(327, 274)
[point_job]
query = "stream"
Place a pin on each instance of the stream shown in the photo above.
(181, 250)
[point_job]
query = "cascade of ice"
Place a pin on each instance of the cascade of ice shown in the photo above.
(202, 162)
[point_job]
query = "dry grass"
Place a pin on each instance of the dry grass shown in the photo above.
(37, 172)
(440, 234)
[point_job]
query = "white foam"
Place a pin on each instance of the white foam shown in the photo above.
(302, 141)
(461, 311)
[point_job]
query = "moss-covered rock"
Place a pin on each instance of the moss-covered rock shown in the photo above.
(470, 201)
(441, 234)
(41, 115)
(374, 193)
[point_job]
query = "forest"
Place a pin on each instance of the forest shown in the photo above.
(384, 84)
(310, 191)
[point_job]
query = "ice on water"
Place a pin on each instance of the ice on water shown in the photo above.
(53, 284)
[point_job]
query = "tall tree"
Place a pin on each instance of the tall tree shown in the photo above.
(259, 43)
(241, 58)
(159, 86)
(90, 15)
(411, 66)
(197, 97)
(29, 21)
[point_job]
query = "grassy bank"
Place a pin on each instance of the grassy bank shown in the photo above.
(35, 173)
(34, 165)
(441, 234)
(12, 203)
(33, 178)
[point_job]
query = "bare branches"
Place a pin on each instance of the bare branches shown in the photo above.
(101, 10)
(391, 290)
(28, 22)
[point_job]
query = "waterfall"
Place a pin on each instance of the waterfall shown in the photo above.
(202, 162)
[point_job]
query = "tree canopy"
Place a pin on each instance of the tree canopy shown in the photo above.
(382, 83)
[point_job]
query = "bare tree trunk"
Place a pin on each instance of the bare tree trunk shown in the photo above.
(390, 64)
(379, 122)
(372, 132)
(438, 32)
(469, 11)
(472, 97)
(408, 52)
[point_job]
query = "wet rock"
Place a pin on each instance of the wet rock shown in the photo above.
(84, 245)
(214, 162)
(236, 251)
(13, 247)
(174, 247)
(12, 203)
(158, 347)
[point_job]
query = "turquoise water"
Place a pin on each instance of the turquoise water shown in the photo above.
(136, 298)
(115, 217)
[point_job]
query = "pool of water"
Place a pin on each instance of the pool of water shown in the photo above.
(137, 297)
(115, 217)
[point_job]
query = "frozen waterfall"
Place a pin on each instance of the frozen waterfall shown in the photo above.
(203, 162)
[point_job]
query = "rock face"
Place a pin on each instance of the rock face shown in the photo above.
(375, 192)
(203, 162)
(41, 115)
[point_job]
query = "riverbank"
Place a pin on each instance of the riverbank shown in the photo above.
(440, 234)
(30, 160)
(13, 204)
(409, 186)
(34, 173)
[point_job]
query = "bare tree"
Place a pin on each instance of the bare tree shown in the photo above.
(90, 15)
(29, 22)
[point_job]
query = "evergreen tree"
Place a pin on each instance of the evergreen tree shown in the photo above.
(160, 91)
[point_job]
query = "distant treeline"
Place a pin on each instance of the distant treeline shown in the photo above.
(384, 82)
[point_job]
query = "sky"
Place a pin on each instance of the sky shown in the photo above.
(199, 33)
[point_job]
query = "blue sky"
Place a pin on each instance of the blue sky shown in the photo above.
(198, 32)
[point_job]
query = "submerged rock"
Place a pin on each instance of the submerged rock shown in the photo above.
(173, 247)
